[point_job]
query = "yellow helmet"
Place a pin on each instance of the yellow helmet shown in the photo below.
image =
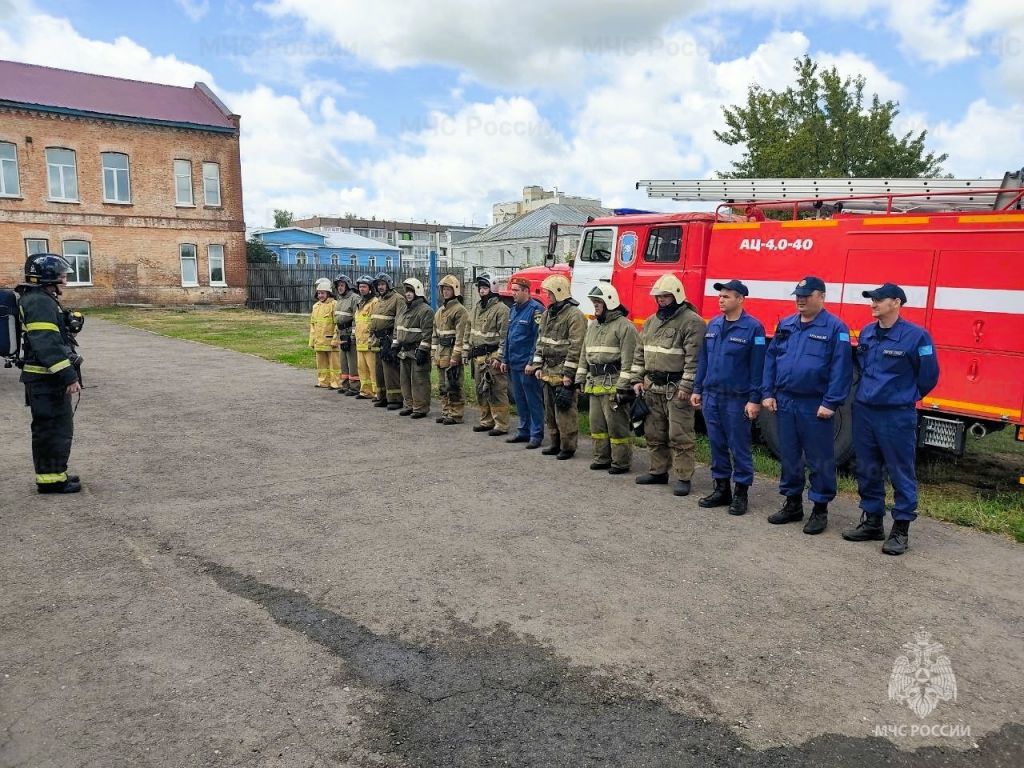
(558, 285)
(452, 282)
(671, 285)
(415, 286)
(323, 284)
(606, 293)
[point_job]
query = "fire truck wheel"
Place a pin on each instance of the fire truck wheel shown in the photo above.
(842, 431)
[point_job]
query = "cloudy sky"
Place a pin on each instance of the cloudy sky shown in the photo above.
(434, 109)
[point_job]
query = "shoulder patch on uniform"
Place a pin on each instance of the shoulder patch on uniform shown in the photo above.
(844, 337)
(926, 350)
(759, 341)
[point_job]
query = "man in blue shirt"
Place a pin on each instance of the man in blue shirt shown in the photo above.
(728, 392)
(516, 354)
(808, 370)
(898, 367)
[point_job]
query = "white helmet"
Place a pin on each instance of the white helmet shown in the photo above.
(324, 284)
(606, 293)
(670, 285)
(415, 286)
(558, 285)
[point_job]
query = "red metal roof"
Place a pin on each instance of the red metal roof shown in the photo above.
(62, 89)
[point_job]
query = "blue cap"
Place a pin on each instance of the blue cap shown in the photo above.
(809, 285)
(886, 291)
(732, 285)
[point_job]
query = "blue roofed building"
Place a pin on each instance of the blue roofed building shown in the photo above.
(306, 247)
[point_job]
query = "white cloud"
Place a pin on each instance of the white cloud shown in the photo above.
(981, 144)
(195, 9)
(931, 30)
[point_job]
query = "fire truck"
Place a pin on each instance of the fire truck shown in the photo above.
(955, 246)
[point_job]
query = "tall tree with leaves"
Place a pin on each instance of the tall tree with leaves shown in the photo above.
(282, 218)
(821, 127)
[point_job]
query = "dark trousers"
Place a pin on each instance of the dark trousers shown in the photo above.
(389, 382)
(885, 441)
(729, 436)
(806, 442)
(53, 428)
(529, 397)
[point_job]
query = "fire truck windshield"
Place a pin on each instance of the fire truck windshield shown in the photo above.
(598, 245)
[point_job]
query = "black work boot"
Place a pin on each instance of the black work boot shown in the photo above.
(440, 419)
(739, 500)
(899, 538)
(650, 479)
(405, 412)
(792, 511)
(720, 497)
(394, 406)
(870, 529)
(563, 455)
(682, 488)
(600, 465)
(818, 520)
(380, 403)
(552, 450)
(482, 428)
(67, 486)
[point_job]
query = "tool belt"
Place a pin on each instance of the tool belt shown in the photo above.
(407, 345)
(661, 378)
(482, 349)
(447, 342)
(605, 369)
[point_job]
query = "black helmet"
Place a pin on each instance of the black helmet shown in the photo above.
(342, 278)
(384, 277)
(366, 279)
(45, 269)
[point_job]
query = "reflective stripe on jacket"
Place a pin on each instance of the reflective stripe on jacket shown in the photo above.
(322, 329)
(361, 324)
(345, 311)
(670, 346)
(414, 327)
(562, 327)
(612, 342)
(382, 319)
(451, 327)
(48, 345)
(488, 326)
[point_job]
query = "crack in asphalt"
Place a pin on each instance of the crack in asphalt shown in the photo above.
(489, 698)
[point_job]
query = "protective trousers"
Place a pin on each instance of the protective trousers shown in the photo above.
(671, 440)
(529, 397)
(885, 441)
(805, 442)
(367, 362)
(349, 369)
(610, 431)
(729, 435)
(328, 369)
(415, 384)
(492, 396)
(453, 399)
(53, 428)
(563, 426)
(389, 384)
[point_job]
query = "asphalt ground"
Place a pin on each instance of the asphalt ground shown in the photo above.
(261, 573)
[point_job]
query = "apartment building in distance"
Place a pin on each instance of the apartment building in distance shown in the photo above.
(535, 197)
(138, 185)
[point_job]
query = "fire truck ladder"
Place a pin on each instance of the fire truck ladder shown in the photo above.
(883, 195)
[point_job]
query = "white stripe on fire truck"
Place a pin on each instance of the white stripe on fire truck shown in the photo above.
(782, 290)
(1000, 301)
(917, 295)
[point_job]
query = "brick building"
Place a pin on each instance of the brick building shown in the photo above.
(137, 184)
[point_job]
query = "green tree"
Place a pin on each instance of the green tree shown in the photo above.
(257, 252)
(821, 127)
(282, 218)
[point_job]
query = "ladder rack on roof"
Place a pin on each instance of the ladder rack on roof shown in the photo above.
(885, 195)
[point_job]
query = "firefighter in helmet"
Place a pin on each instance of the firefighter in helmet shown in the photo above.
(50, 372)
(346, 299)
(555, 361)
(663, 372)
(322, 333)
(366, 350)
(382, 326)
(451, 328)
(488, 327)
(605, 362)
(414, 328)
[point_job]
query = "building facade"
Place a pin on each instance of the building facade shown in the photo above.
(350, 253)
(137, 185)
(535, 197)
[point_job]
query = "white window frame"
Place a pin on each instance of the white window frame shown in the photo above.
(194, 258)
(223, 282)
(353, 261)
(62, 171)
(116, 171)
(335, 260)
(4, 162)
(43, 240)
(300, 259)
(191, 193)
(73, 260)
(371, 264)
(209, 180)
(389, 263)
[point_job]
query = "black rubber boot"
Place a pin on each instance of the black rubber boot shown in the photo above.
(380, 403)
(552, 450)
(405, 412)
(792, 511)
(739, 500)
(682, 488)
(720, 497)
(650, 479)
(481, 428)
(68, 486)
(899, 538)
(818, 520)
(563, 455)
(394, 406)
(600, 465)
(870, 529)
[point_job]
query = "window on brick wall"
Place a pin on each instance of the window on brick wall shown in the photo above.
(211, 184)
(62, 174)
(215, 256)
(34, 245)
(183, 183)
(116, 183)
(189, 265)
(10, 185)
(78, 254)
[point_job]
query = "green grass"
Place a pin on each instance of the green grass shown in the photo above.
(979, 490)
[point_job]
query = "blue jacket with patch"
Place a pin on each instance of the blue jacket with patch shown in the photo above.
(897, 365)
(523, 328)
(732, 363)
(810, 360)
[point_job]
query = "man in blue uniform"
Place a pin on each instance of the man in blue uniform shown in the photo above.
(728, 392)
(516, 354)
(898, 367)
(808, 370)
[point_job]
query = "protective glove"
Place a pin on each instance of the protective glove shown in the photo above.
(422, 356)
(345, 344)
(563, 397)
